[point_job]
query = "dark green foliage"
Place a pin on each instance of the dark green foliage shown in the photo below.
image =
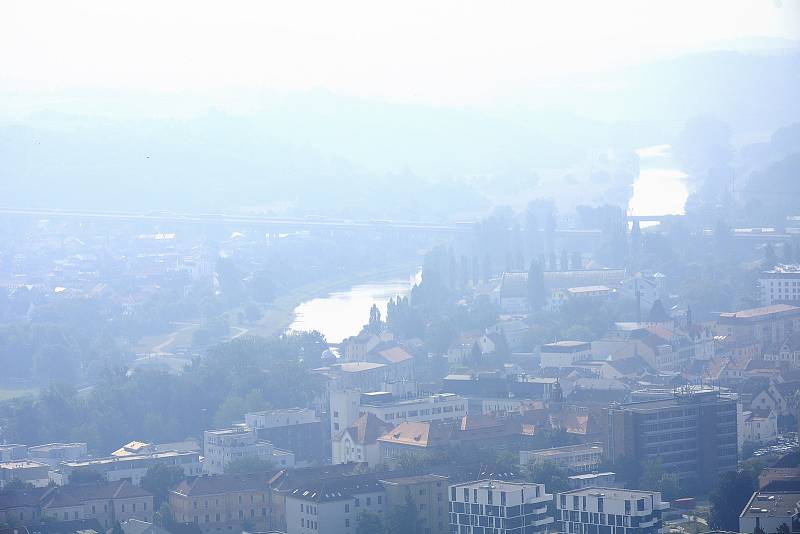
(548, 473)
(403, 519)
(727, 500)
(369, 523)
(159, 479)
(160, 407)
(249, 465)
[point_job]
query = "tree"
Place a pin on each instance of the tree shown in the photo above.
(537, 297)
(369, 523)
(783, 528)
(159, 479)
(248, 465)
(728, 498)
(758, 530)
(165, 516)
(117, 528)
(403, 519)
(374, 324)
(548, 473)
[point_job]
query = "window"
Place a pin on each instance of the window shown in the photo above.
(358, 502)
(134, 507)
(346, 522)
(369, 501)
(208, 519)
(346, 508)
(600, 504)
(123, 507)
(490, 497)
(380, 499)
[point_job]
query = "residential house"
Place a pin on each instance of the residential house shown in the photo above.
(334, 506)
(223, 502)
(105, 502)
(358, 442)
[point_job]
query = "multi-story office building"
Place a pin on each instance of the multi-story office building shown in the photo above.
(693, 434)
(599, 510)
(780, 285)
(334, 506)
(489, 506)
(298, 430)
(429, 495)
(349, 405)
(223, 446)
(132, 467)
(583, 458)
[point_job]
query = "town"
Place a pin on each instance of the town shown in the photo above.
(400, 267)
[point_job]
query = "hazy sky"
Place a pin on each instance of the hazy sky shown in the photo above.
(434, 52)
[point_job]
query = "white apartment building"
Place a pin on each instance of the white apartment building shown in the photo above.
(347, 406)
(565, 353)
(10, 452)
(758, 427)
(55, 453)
(280, 418)
(221, 447)
(780, 285)
(583, 458)
(27, 471)
(499, 507)
(599, 509)
(333, 507)
(132, 467)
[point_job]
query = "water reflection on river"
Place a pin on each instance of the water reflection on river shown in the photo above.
(660, 188)
(342, 313)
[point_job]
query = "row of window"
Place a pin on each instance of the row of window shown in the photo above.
(228, 516)
(216, 501)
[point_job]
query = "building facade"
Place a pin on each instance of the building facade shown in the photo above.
(780, 285)
(693, 434)
(222, 502)
(428, 493)
(132, 467)
(298, 430)
(226, 445)
(583, 458)
(487, 506)
(334, 506)
(601, 510)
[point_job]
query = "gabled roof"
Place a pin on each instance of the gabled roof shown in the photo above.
(391, 353)
(367, 429)
(219, 484)
(633, 367)
(418, 434)
(338, 488)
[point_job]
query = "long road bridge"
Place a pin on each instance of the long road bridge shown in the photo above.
(287, 224)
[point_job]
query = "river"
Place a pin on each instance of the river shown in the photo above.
(660, 188)
(341, 314)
